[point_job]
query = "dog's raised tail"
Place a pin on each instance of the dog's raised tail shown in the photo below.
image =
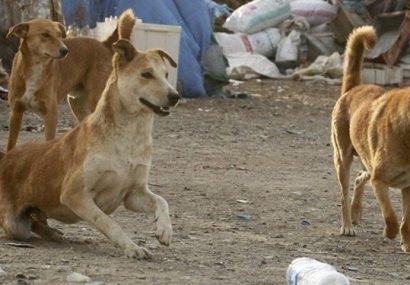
(125, 24)
(359, 41)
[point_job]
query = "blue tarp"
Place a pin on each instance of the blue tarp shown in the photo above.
(191, 15)
(87, 12)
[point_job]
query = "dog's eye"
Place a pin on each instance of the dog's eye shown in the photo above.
(147, 75)
(45, 35)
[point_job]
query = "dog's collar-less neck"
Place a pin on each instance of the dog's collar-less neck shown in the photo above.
(107, 111)
(140, 121)
(123, 129)
(33, 67)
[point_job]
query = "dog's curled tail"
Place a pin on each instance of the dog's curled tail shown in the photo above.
(125, 24)
(359, 41)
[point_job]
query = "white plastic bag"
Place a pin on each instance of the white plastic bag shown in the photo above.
(258, 15)
(264, 42)
(244, 66)
(288, 47)
(330, 66)
(315, 11)
(309, 271)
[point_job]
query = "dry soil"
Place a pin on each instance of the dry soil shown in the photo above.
(251, 186)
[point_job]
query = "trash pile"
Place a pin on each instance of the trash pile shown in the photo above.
(279, 38)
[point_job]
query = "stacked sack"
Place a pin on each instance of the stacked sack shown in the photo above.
(257, 24)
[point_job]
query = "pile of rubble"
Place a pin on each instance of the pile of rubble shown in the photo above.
(280, 38)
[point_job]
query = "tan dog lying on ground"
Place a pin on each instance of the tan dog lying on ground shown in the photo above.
(41, 78)
(374, 125)
(103, 162)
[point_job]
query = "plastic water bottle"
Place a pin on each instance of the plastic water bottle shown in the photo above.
(309, 271)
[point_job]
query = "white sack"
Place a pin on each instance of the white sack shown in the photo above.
(258, 15)
(264, 42)
(315, 11)
(247, 65)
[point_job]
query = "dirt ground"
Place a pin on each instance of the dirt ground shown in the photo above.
(251, 186)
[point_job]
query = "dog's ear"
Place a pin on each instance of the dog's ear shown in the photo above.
(125, 50)
(19, 30)
(62, 29)
(163, 54)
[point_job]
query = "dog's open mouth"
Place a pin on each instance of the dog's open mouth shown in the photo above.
(161, 111)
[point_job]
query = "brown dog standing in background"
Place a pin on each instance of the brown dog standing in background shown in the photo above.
(47, 67)
(373, 124)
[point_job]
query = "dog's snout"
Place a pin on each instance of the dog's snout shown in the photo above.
(173, 98)
(63, 51)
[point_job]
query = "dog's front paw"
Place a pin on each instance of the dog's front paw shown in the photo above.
(164, 232)
(138, 252)
(347, 231)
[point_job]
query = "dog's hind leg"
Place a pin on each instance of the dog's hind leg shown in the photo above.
(357, 201)
(143, 200)
(381, 191)
(46, 232)
(405, 224)
(343, 157)
(17, 227)
(40, 226)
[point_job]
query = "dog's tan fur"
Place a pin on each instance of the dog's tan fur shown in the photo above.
(373, 124)
(103, 162)
(42, 74)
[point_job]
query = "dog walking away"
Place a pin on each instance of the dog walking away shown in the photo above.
(373, 124)
(103, 162)
(47, 67)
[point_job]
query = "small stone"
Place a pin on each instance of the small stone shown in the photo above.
(305, 222)
(351, 268)
(244, 217)
(77, 277)
(32, 277)
(21, 276)
(95, 283)
(29, 128)
(22, 282)
(2, 273)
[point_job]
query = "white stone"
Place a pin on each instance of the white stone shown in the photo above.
(77, 277)
(2, 273)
